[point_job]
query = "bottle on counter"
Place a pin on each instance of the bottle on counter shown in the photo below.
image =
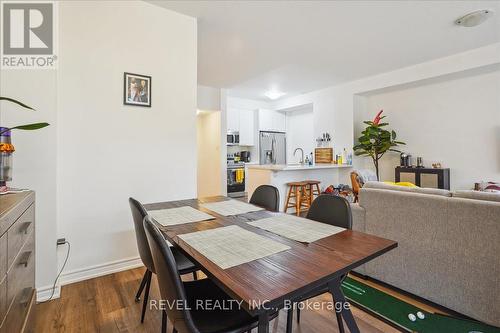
(307, 160)
(311, 162)
(344, 156)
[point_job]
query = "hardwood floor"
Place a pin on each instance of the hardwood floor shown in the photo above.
(106, 304)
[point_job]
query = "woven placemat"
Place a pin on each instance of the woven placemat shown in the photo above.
(231, 207)
(296, 228)
(179, 215)
(232, 245)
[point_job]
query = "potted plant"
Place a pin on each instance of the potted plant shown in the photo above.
(375, 141)
(6, 147)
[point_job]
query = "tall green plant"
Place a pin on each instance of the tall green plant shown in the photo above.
(27, 127)
(375, 141)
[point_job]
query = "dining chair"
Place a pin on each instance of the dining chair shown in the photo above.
(184, 265)
(334, 210)
(182, 298)
(331, 209)
(266, 196)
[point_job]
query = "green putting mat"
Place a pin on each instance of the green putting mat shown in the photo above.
(396, 311)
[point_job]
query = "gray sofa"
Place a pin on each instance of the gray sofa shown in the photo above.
(449, 246)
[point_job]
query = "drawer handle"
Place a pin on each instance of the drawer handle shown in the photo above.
(25, 227)
(25, 258)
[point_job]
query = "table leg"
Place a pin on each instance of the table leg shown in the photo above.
(264, 322)
(338, 296)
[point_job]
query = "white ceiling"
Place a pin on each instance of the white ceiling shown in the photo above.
(250, 47)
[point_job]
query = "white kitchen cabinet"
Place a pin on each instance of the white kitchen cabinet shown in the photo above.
(279, 121)
(242, 121)
(233, 120)
(265, 120)
(247, 127)
(270, 120)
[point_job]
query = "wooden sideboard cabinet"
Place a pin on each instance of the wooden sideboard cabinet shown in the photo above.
(17, 261)
(424, 177)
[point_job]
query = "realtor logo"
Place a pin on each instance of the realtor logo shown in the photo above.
(28, 37)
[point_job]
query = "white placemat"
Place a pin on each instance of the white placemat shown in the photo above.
(179, 215)
(296, 228)
(232, 246)
(231, 207)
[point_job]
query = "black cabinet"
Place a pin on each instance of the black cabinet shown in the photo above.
(424, 177)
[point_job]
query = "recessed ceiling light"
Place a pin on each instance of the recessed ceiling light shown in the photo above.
(474, 18)
(274, 94)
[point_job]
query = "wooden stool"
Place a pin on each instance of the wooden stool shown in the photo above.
(313, 189)
(298, 192)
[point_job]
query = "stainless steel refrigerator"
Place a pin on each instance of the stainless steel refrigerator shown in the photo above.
(272, 147)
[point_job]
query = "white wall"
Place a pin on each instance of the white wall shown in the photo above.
(98, 152)
(455, 122)
(34, 161)
(108, 151)
(334, 107)
(300, 133)
(209, 166)
(208, 98)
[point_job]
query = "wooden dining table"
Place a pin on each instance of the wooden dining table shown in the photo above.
(267, 284)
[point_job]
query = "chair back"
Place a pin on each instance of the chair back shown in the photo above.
(138, 214)
(171, 287)
(266, 196)
(331, 209)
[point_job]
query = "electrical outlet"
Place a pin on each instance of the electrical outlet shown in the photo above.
(61, 241)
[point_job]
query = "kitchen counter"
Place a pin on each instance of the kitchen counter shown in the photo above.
(294, 167)
(278, 175)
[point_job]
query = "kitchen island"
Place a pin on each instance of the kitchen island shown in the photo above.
(279, 174)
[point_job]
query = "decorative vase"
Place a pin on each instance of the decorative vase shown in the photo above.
(6, 150)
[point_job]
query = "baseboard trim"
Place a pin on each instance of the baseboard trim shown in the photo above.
(43, 293)
(91, 272)
(87, 273)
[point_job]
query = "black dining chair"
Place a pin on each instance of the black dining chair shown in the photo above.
(331, 209)
(266, 196)
(334, 210)
(184, 298)
(184, 265)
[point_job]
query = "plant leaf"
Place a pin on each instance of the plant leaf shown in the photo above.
(30, 127)
(16, 102)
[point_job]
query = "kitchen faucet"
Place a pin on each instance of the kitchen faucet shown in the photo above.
(302, 156)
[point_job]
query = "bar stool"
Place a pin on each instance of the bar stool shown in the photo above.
(313, 189)
(299, 195)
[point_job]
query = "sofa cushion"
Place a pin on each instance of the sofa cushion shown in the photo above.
(384, 186)
(477, 195)
(471, 253)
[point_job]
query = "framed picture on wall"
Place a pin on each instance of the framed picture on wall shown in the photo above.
(136, 89)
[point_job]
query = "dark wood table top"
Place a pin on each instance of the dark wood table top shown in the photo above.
(281, 276)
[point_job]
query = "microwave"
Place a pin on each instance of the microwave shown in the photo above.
(233, 138)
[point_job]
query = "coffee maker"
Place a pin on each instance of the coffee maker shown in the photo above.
(405, 160)
(245, 156)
